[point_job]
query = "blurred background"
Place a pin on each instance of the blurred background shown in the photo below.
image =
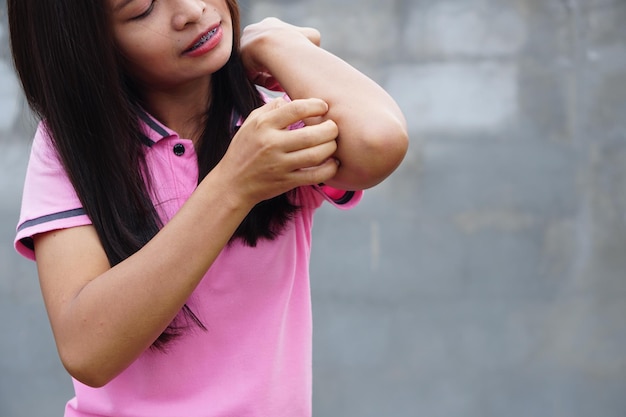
(487, 276)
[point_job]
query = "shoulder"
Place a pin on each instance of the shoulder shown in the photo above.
(49, 200)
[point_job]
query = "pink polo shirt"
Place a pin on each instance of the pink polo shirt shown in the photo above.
(254, 359)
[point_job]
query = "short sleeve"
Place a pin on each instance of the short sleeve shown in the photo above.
(314, 196)
(49, 201)
(342, 199)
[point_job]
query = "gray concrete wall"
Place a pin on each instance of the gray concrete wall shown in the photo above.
(487, 276)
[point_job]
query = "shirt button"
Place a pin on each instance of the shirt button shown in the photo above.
(179, 149)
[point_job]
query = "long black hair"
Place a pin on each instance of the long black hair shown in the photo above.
(73, 79)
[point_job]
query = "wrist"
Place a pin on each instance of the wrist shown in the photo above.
(232, 196)
(265, 49)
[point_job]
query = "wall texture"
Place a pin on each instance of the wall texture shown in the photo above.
(487, 277)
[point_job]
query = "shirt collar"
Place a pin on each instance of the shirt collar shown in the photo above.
(153, 130)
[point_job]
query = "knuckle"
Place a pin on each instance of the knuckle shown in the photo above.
(324, 173)
(332, 127)
(320, 154)
(296, 108)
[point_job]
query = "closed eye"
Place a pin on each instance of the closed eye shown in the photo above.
(147, 12)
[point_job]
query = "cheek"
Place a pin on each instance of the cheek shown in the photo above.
(140, 60)
(145, 55)
(139, 45)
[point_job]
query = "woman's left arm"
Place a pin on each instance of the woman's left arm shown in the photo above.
(373, 135)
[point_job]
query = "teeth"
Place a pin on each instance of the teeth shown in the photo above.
(204, 39)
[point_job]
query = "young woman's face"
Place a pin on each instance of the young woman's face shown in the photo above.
(170, 43)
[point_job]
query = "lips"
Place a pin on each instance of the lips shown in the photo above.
(203, 39)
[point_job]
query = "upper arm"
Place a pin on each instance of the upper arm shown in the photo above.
(67, 260)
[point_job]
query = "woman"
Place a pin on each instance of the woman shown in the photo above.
(170, 209)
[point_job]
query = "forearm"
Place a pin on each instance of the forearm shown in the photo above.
(372, 129)
(103, 318)
(117, 315)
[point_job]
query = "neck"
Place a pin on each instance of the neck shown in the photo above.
(182, 109)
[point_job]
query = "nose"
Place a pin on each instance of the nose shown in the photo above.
(186, 12)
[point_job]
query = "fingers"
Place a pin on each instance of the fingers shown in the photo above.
(266, 158)
(307, 146)
(316, 175)
(281, 114)
(310, 156)
(310, 136)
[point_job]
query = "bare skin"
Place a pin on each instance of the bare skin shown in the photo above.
(103, 318)
(372, 130)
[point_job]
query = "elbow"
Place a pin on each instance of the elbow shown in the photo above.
(84, 369)
(91, 381)
(380, 152)
(391, 147)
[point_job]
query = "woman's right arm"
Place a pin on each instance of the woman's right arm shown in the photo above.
(103, 318)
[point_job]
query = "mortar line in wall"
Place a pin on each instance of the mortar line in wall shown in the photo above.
(584, 233)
